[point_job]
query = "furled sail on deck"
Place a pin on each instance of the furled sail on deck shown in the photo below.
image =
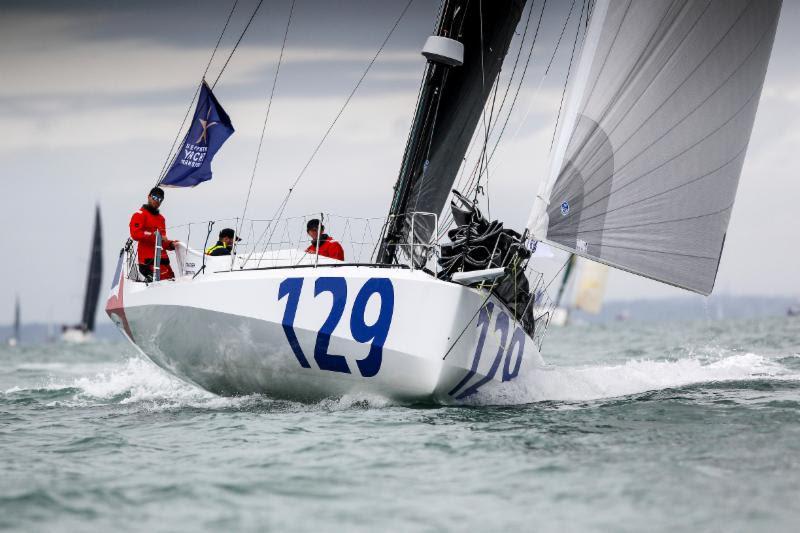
(95, 276)
(450, 104)
(649, 152)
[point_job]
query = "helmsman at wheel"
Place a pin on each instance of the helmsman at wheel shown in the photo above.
(143, 226)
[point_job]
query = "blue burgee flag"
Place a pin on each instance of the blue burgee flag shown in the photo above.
(210, 128)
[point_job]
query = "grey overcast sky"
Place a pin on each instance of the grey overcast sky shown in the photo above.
(91, 95)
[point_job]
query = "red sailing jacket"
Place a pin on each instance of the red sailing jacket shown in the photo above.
(327, 248)
(144, 224)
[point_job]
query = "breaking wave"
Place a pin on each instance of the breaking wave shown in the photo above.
(596, 382)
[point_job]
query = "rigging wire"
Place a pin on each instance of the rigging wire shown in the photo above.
(505, 94)
(469, 322)
(483, 113)
(473, 177)
(471, 181)
(196, 92)
(285, 201)
(519, 84)
(539, 86)
(569, 70)
(174, 156)
(266, 119)
(569, 258)
(239, 40)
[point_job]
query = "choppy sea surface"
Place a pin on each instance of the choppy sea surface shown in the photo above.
(632, 427)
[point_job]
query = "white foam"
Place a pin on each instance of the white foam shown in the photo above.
(633, 377)
(142, 384)
(139, 382)
(355, 401)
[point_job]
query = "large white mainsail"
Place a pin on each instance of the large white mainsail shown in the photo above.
(647, 160)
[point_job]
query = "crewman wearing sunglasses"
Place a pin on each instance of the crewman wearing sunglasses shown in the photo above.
(144, 224)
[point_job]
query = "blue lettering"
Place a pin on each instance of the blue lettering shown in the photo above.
(291, 287)
(338, 288)
(375, 334)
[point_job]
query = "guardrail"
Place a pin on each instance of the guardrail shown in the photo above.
(541, 303)
(283, 243)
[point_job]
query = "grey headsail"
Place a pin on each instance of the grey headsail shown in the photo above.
(95, 276)
(453, 93)
(649, 152)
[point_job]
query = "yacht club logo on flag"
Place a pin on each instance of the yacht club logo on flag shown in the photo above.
(210, 128)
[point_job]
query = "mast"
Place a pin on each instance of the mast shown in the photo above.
(16, 318)
(565, 278)
(95, 275)
(464, 59)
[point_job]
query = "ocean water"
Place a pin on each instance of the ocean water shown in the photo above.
(632, 427)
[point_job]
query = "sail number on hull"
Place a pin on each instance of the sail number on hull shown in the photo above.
(374, 334)
(514, 350)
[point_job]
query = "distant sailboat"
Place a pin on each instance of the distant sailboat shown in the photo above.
(83, 331)
(590, 286)
(13, 340)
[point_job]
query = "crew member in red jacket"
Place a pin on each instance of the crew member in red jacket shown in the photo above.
(328, 247)
(144, 224)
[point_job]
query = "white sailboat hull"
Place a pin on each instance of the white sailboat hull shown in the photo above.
(76, 336)
(560, 317)
(309, 333)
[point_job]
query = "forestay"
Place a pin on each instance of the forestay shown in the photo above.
(649, 152)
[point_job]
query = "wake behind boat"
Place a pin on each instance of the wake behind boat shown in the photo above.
(447, 307)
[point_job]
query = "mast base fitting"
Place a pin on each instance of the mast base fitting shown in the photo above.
(444, 50)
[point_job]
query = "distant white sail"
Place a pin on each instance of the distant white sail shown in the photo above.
(591, 286)
(647, 160)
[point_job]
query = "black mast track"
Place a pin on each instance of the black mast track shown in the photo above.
(95, 276)
(449, 107)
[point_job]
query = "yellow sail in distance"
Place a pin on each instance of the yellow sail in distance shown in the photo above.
(591, 286)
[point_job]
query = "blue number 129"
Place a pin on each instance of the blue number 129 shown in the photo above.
(375, 334)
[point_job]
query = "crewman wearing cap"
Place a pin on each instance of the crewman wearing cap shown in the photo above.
(224, 244)
(143, 226)
(328, 247)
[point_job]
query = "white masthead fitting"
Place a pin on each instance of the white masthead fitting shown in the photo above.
(444, 50)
